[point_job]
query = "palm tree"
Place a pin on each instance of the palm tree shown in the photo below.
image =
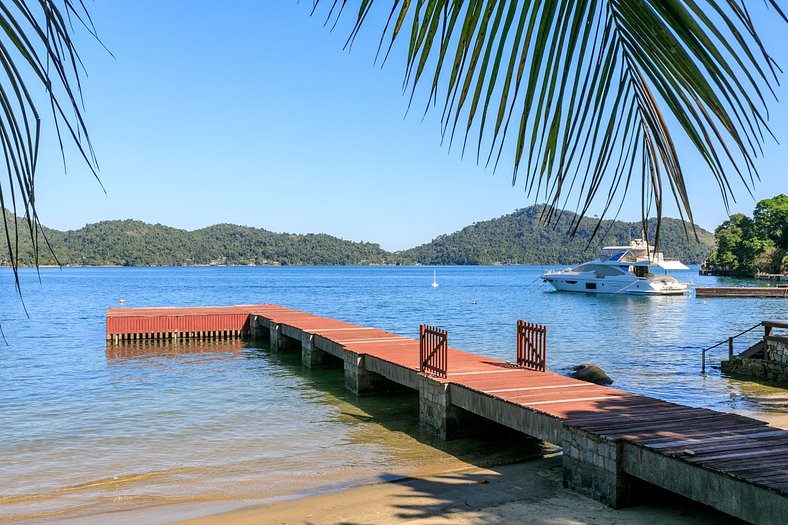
(582, 96)
(37, 51)
(591, 90)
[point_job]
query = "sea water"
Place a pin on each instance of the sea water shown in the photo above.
(87, 427)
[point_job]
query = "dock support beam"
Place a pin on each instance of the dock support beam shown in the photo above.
(438, 415)
(593, 466)
(310, 355)
(256, 327)
(276, 336)
(280, 341)
(434, 407)
(359, 380)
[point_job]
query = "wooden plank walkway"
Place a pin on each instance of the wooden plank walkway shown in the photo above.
(741, 291)
(734, 463)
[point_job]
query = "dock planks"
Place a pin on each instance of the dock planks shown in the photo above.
(732, 445)
(741, 291)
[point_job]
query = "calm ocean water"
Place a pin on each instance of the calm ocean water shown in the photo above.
(87, 428)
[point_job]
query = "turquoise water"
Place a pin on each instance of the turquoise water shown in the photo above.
(88, 428)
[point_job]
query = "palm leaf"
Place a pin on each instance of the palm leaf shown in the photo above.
(36, 47)
(597, 88)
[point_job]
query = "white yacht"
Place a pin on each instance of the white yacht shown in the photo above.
(621, 269)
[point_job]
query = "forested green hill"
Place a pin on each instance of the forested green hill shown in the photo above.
(518, 238)
(135, 243)
(522, 238)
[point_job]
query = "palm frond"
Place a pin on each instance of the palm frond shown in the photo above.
(584, 98)
(37, 51)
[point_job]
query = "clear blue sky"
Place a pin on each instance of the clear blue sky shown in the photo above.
(251, 113)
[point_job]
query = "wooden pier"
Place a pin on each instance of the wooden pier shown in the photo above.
(610, 438)
(741, 291)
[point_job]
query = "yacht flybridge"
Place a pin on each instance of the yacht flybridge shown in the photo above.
(621, 269)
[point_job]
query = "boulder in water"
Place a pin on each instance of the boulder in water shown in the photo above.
(590, 373)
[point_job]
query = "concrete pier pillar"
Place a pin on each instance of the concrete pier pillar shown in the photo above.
(311, 356)
(434, 406)
(279, 341)
(593, 466)
(359, 380)
(276, 337)
(438, 415)
(255, 327)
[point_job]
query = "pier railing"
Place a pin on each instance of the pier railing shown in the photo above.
(433, 350)
(531, 346)
(768, 325)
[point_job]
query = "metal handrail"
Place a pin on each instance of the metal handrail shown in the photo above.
(730, 346)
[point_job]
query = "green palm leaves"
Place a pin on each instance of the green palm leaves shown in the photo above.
(37, 56)
(586, 96)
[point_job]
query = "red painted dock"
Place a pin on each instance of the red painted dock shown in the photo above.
(734, 463)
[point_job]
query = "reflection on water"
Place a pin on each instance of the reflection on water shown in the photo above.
(172, 349)
(86, 427)
(228, 420)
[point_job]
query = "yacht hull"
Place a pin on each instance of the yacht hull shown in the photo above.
(620, 269)
(574, 283)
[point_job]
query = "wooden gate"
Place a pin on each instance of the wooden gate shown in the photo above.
(531, 346)
(433, 350)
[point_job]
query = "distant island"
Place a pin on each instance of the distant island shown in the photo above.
(517, 238)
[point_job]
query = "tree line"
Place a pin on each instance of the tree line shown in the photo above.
(750, 245)
(521, 237)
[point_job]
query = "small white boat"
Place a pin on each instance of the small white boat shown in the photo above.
(621, 269)
(434, 279)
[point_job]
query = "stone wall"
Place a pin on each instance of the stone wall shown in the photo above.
(774, 367)
(592, 466)
(777, 350)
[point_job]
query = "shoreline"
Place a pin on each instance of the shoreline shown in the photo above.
(529, 490)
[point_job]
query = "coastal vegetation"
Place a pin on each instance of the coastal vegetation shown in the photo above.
(523, 238)
(518, 238)
(746, 246)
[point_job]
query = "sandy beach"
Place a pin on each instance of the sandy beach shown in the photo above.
(527, 492)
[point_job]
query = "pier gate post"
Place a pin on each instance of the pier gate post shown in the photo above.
(593, 466)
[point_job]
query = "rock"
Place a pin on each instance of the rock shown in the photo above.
(590, 373)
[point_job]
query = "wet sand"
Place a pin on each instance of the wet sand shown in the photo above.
(528, 492)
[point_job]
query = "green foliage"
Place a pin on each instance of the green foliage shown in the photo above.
(135, 243)
(41, 69)
(746, 246)
(771, 220)
(523, 238)
(518, 238)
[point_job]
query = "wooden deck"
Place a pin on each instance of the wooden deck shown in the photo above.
(734, 463)
(741, 291)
